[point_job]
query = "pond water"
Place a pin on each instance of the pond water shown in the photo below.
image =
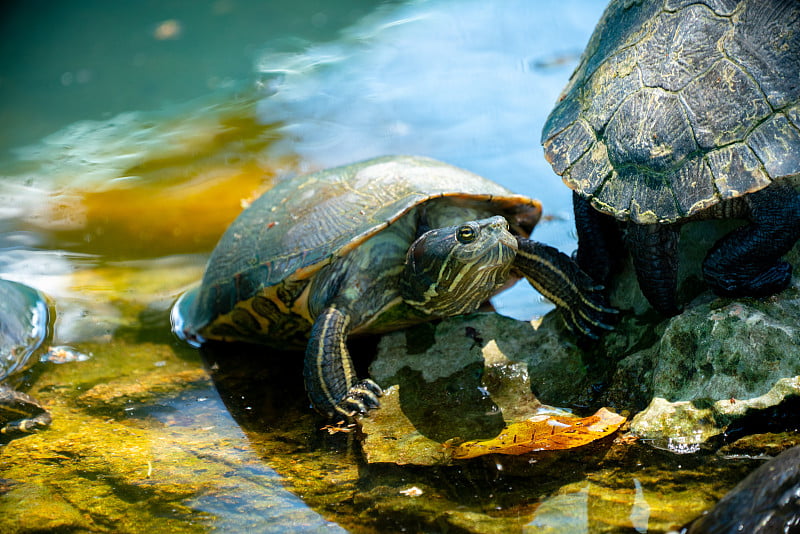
(135, 132)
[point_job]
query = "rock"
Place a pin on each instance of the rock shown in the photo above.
(118, 395)
(675, 426)
(456, 381)
(715, 363)
(695, 375)
(36, 504)
(494, 345)
(391, 438)
(142, 441)
(759, 445)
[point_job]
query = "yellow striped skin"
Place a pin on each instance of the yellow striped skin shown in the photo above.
(558, 278)
(453, 270)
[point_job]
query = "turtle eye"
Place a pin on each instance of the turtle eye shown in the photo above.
(466, 234)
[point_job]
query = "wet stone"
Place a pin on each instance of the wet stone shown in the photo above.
(35, 504)
(390, 437)
(759, 445)
(176, 463)
(714, 363)
(542, 359)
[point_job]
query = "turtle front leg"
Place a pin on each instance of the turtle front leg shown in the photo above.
(557, 277)
(330, 379)
(654, 249)
(747, 261)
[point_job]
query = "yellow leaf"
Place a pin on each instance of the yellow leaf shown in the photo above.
(545, 433)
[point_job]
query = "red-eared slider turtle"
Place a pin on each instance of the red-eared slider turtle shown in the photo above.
(368, 248)
(24, 327)
(681, 111)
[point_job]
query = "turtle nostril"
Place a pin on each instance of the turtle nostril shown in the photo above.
(499, 222)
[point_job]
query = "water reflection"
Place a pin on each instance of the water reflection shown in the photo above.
(249, 496)
(562, 514)
(577, 512)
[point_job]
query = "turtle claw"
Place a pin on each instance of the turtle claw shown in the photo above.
(360, 398)
(590, 326)
(581, 299)
(591, 316)
(27, 426)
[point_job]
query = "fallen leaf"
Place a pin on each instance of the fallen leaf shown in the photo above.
(544, 433)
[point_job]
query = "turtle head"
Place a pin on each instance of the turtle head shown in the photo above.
(453, 270)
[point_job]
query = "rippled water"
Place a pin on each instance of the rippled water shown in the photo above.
(134, 132)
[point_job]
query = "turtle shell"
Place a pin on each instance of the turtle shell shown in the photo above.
(677, 105)
(302, 224)
(24, 326)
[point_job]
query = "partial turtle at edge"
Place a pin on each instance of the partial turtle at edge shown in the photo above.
(25, 323)
(681, 111)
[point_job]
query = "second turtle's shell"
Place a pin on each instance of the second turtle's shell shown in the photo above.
(678, 105)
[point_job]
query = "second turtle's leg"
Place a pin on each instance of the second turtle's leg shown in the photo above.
(330, 379)
(747, 262)
(599, 241)
(27, 425)
(557, 277)
(654, 250)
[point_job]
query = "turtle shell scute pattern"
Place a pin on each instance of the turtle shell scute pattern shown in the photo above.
(24, 326)
(678, 105)
(266, 258)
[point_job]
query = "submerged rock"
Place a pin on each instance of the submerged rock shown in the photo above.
(391, 438)
(453, 384)
(500, 350)
(141, 441)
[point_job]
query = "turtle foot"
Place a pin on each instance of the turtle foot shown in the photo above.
(654, 250)
(26, 426)
(769, 282)
(593, 316)
(747, 262)
(360, 398)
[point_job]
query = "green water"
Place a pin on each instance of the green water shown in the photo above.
(134, 132)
